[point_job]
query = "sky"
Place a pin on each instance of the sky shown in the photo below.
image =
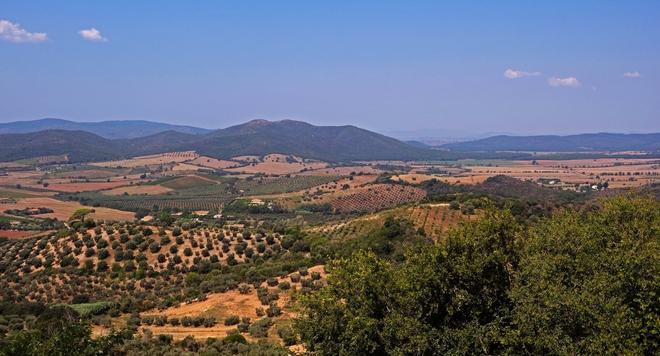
(431, 67)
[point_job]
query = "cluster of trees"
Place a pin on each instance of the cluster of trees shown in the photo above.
(60, 330)
(580, 282)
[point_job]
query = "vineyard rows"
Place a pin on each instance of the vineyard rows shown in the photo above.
(282, 185)
(378, 197)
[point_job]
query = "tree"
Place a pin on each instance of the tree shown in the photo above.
(588, 285)
(81, 213)
(575, 283)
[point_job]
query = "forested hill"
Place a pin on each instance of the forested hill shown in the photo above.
(572, 143)
(258, 137)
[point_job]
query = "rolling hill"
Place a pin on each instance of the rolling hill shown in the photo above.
(571, 143)
(106, 129)
(257, 137)
(79, 145)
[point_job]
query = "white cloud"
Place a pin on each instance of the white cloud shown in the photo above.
(570, 82)
(13, 32)
(92, 34)
(515, 74)
(634, 74)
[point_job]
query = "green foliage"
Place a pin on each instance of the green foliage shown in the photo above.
(576, 283)
(589, 284)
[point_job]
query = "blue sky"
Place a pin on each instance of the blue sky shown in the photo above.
(424, 66)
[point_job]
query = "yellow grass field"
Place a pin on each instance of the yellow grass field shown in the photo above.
(279, 164)
(164, 158)
(138, 190)
(63, 210)
(213, 163)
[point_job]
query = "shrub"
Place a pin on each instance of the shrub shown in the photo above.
(232, 320)
(272, 281)
(244, 289)
(154, 247)
(288, 335)
(273, 310)
(260, 327)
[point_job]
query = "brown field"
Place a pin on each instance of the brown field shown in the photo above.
(413, 178)
(151, 160)
(138, 190)
(213, 163)
(343, 171)
(86, 174)
(278, 164)
(85, 186)
(618, 172)
(246, 159)
(185, 167)
(374, 197)
(434, 219)
(186, 182)
(15, 234)
(63, 210)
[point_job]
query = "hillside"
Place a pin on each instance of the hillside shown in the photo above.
(106, 129)
(571, 143)
(78, 145)
(259, 137)
(330, 143)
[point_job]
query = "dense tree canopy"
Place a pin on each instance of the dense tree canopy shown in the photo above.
(576, 283)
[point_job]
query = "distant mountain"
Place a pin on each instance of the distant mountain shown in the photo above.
(106, 129)
(572, 143)
(417, 144)
(257, 137)
(330, 143)
(79, 145)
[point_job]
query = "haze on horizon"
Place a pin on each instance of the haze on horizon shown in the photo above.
(522, 67)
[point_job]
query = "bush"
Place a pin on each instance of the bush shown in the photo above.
(232, 320)
(273, 310)
(272, 281)
(260, 327)
(154, 247)
(260, 311)
(288, 335)
(234, 338)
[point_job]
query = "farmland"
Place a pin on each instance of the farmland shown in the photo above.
(377, 197)
(63, 210)
(264, 186)
(277, 164)
(230, 246)
(151, 160)
(434, 219)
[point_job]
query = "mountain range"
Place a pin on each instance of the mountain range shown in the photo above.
(552, 143)
(108, 140)
(257, 137)
(105, 129)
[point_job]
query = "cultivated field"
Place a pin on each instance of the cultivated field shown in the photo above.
(435, 219)
(376, 197)
(278, 164)
(63, 210)
(151, 160)
(144, 189)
